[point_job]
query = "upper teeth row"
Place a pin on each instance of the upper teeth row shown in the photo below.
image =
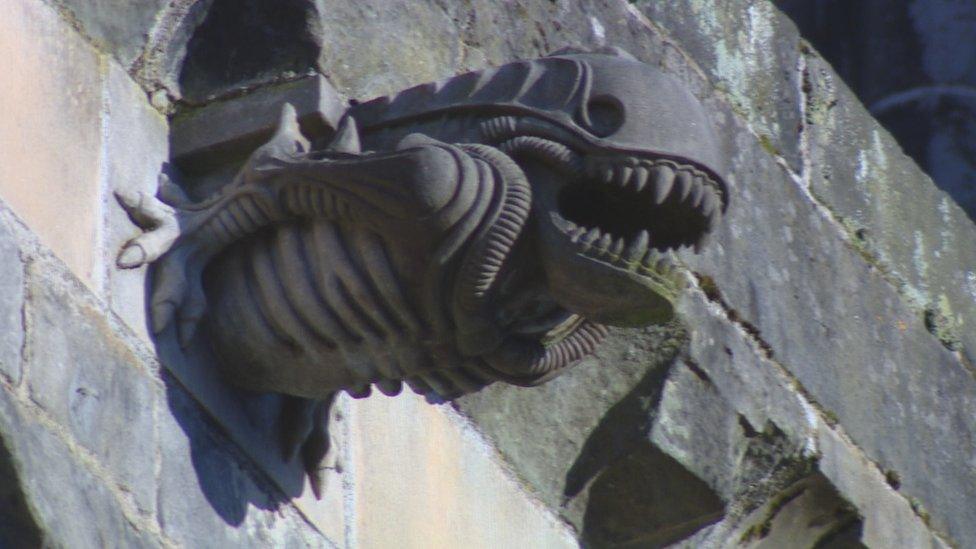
(660, 180)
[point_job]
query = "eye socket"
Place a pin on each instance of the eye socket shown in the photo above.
(602, 115)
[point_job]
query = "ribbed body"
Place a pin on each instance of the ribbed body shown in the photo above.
(337, 304)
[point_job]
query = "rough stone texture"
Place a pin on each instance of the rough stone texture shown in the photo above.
(102, 395)
(103, 449)
(913, 231)
(913, 64)
(118, 27)
(208, 491)
(11, 306)
(135, 148)
(423, 479)
(51, 87)
(72, 506)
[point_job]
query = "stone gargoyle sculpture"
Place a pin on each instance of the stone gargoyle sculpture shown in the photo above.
(479, 229)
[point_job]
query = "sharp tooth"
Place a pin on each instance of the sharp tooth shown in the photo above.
(709, 201)
(638, 246)
(605, 242)
(713, 218)
(663, 182)
(697, 193)
(701, 243)
(577, 233)
(684, 184)
(591, 236)
(650, 259)
(640, 178)
(623, 175)
(606, 173)
(618, 247)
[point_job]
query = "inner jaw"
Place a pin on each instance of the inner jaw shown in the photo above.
(632, 212)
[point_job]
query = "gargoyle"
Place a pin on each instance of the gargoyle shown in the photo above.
(483, 228)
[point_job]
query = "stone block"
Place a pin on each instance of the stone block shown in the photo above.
(11, 303)
(210, 491)
(891, 210)
(71, 505)
(889, 520)
(231, 129)
(118, 27)
(50, 138)
(136, 146)
(422, 478)
(90, 380)
(786, 272)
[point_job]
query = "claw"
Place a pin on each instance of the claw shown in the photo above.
(132, 255)
(162, 314)
(170, 193)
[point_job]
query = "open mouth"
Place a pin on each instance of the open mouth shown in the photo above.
(631, 212)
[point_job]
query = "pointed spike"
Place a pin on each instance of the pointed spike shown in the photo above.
(709, 201)
(606, 173)
(683, 184)
(638, 246)
(650, 258)
(346, 139)
(697, 193)
(591, 236)
(623, 175)
(663, 183)
(640, 178)
(605, 241)
(618, 247)
(701, 243)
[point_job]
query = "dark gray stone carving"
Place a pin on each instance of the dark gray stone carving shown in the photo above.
(479, 229)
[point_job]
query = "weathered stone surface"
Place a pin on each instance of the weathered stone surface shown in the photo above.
(71, 505)
(208, 490)
(846, 333)
(82, 374)
(117, 27)
(11, 303)
(49, 161)
(888, 517)
(136, 147)
(890, 209)
(912, 64)
(749, 52)
(424, 479)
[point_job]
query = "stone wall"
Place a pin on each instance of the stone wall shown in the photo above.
(819, 387)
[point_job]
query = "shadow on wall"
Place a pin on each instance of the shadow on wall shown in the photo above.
(224, 475)
(17, 527)
(637, 495)
(913, 64)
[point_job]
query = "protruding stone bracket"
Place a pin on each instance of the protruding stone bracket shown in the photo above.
(229, 130)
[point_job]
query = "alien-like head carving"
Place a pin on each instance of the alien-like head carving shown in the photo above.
(479, 229)
(482, 228)
(623, 166)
